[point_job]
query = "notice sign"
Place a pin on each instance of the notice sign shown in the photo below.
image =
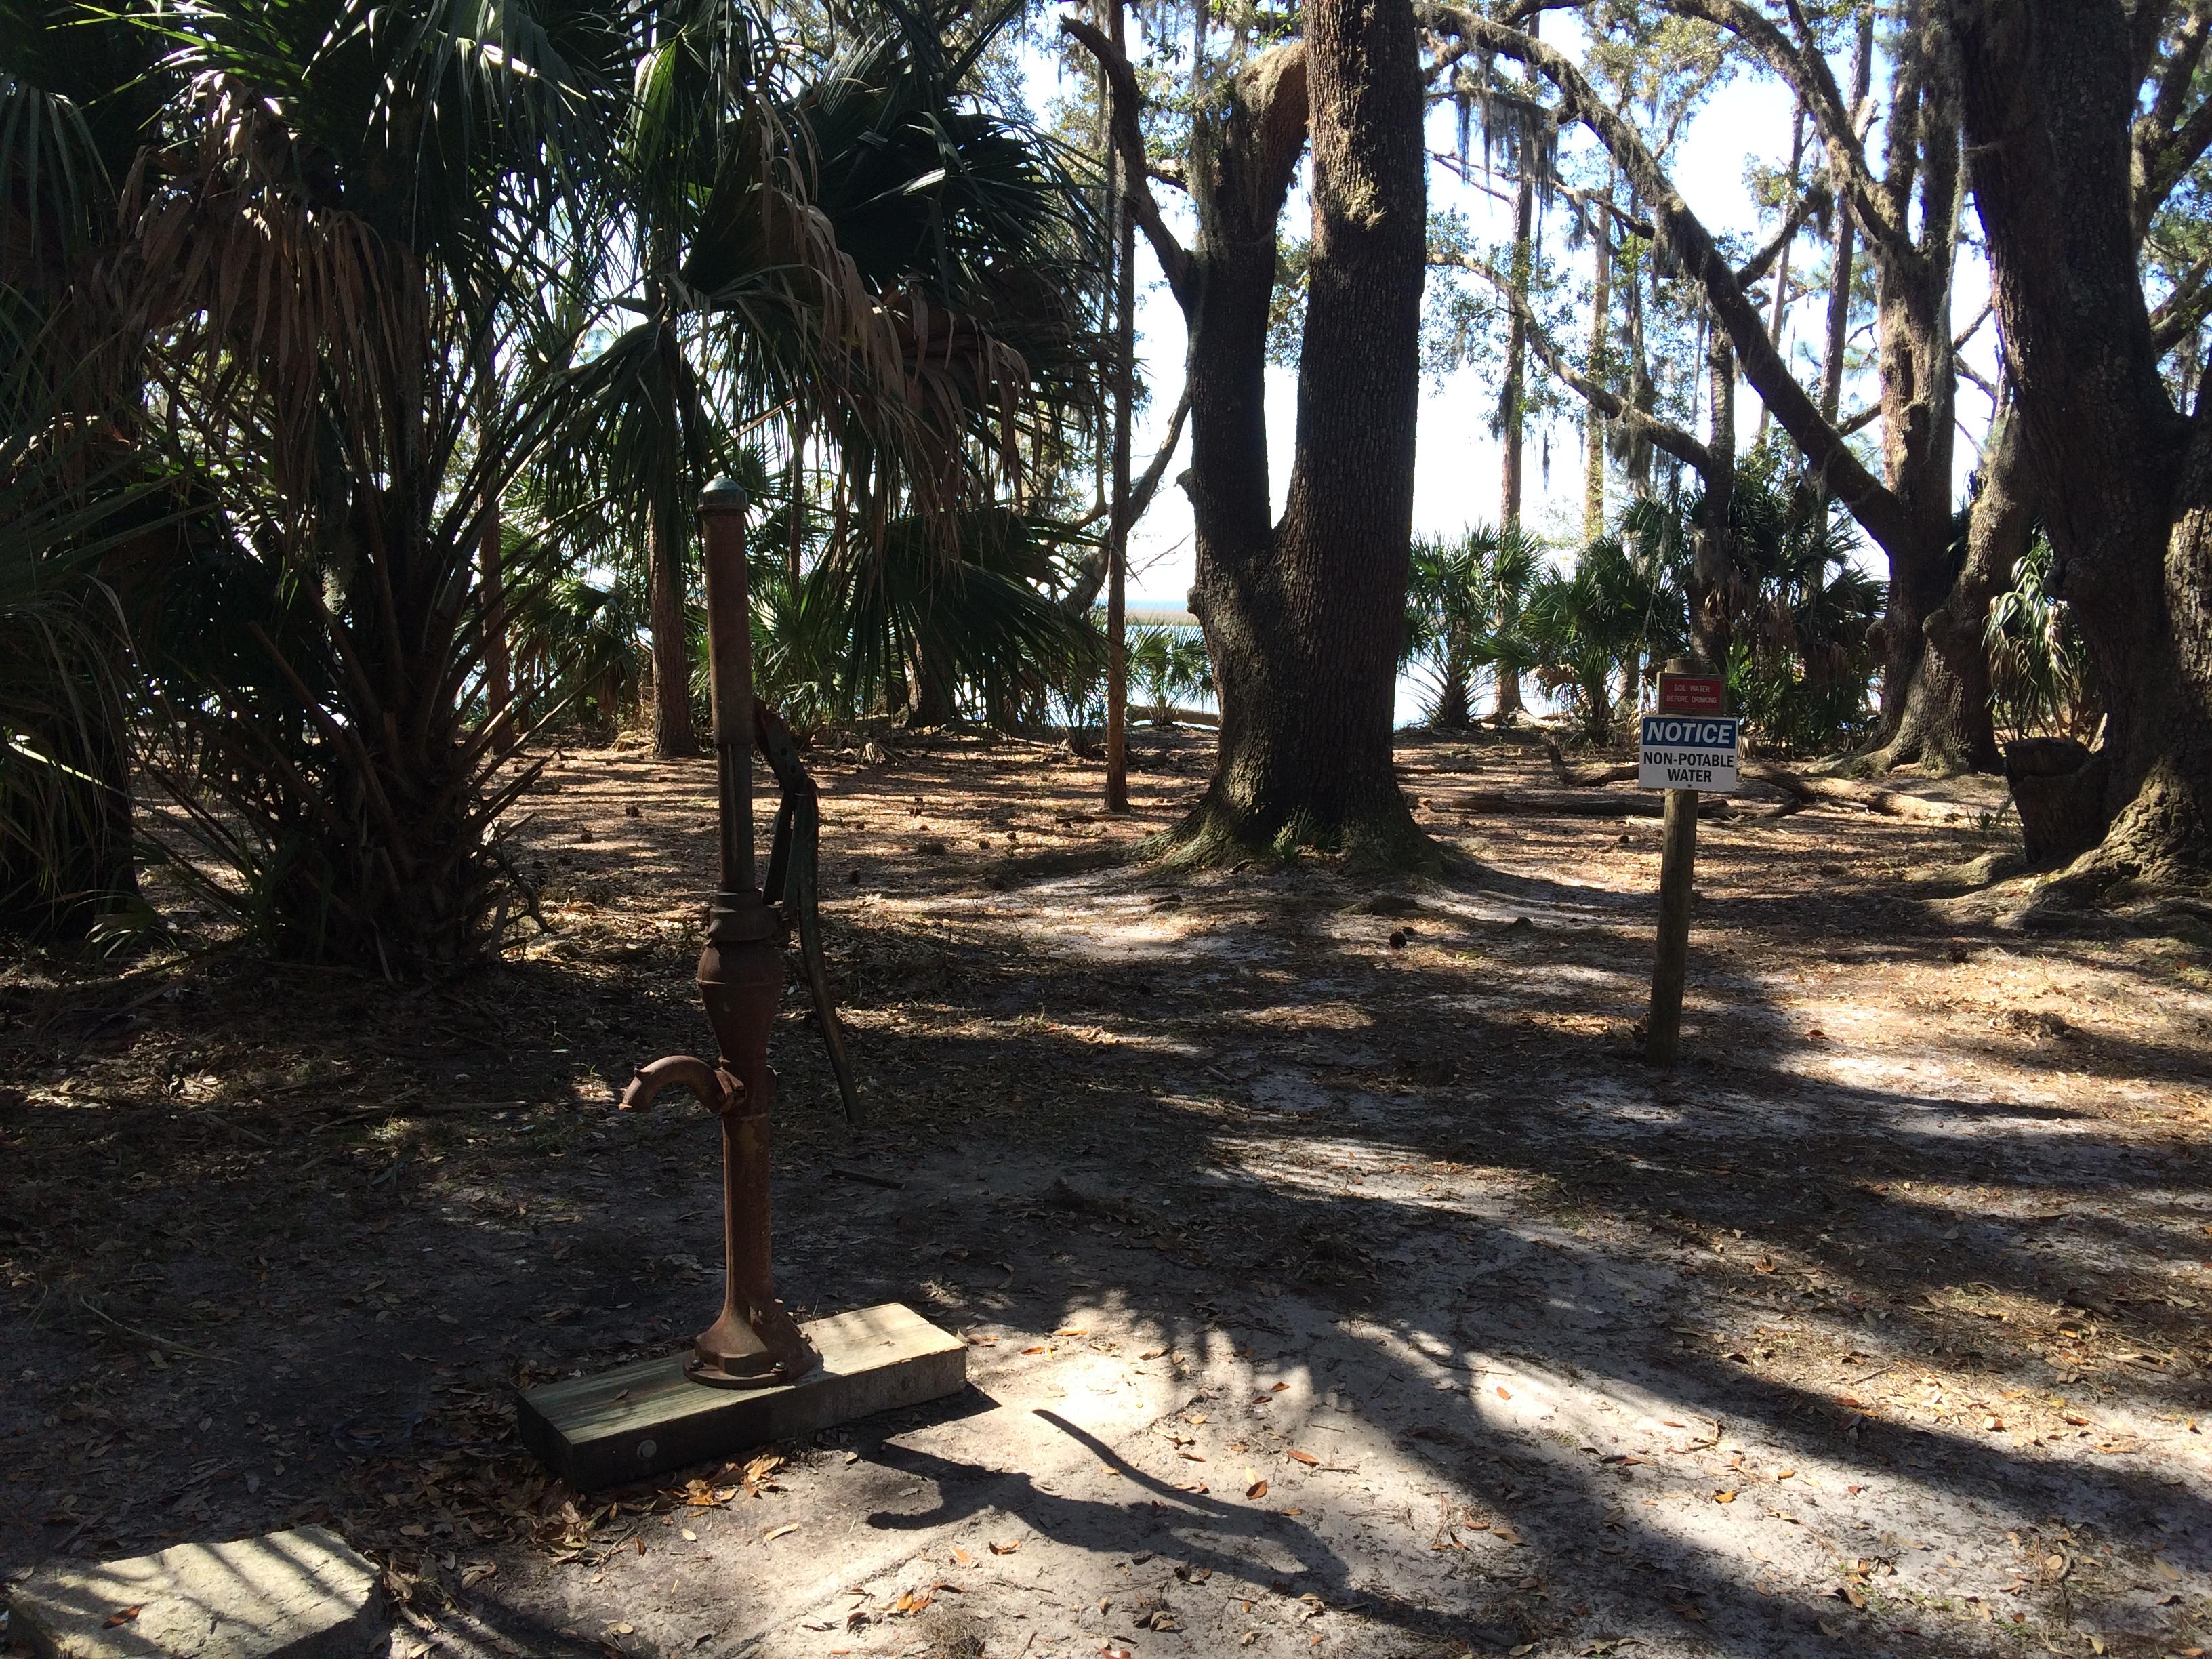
(1688, 752)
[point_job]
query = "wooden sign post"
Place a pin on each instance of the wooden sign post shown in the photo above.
(1696, 748)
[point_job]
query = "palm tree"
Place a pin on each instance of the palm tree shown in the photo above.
(927, 343)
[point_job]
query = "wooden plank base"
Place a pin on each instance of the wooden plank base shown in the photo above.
(645, 1418)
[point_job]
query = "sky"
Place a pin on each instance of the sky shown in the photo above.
(1458, 463)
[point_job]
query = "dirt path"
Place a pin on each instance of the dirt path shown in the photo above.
(1339, 1280)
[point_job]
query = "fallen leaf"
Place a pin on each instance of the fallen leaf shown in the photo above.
(1502, 1394)
(122, 1616)
(1506, 1534)
(1152, 1353)
(775, 1532)
(997, 1548)
(1071, 1330)
(1257, 1489)
(621, 1630)
(1038, 1349)
(690, 1536)
(1304, 1457)
(1723, 1498)
(1278, 1387)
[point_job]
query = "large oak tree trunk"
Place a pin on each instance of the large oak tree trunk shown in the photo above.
(2124, 482)
(1947, 722)
(1304, 622)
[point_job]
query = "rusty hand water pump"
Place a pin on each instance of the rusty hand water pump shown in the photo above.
(754, 1343)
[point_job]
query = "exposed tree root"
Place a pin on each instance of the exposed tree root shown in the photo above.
(1584, 777)
(1380, 841)
(1873, 798)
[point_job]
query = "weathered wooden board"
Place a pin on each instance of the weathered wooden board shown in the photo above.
(646, 1418)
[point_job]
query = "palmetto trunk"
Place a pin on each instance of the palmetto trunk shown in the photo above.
(674, 734)
(1600, 367)
(1714, 587)
(1511, 414)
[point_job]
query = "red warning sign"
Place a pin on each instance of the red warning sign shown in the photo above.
(1692, 694)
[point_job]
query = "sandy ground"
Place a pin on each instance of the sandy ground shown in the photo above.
(1338, 1280)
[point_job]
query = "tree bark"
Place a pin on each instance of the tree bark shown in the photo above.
(1840, 272)
(499, 663)
(1781, 309)
(1949, 724)
(1118, 533)
(1643, 390)
(1714, 595)
(1912, 321)
(1599, 356)
(2049, 93)
(1512, 429)
(1303, 624)
(1510, 425)
(674, 736)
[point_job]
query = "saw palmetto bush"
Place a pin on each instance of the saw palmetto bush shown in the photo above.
(393, 285)
(1803, 663)
(344, 253)
(74, 503)
(1466, 599)
(2038, 663)
(1589, 625)
(76, 108)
